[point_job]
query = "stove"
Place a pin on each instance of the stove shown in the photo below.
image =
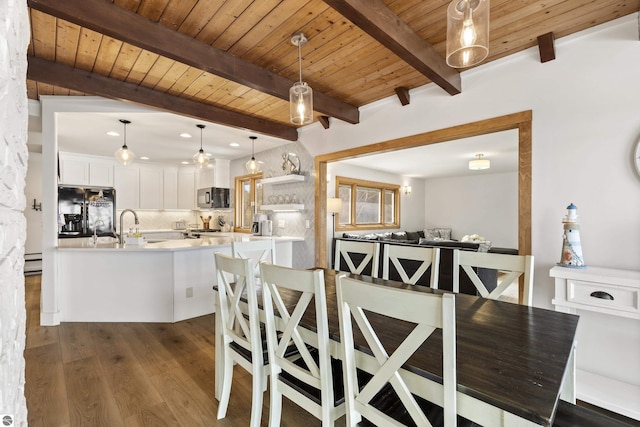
(204, 230)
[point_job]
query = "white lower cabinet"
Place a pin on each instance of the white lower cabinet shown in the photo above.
(608, 340)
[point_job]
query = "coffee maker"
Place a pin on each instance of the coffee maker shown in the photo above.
(256, 226)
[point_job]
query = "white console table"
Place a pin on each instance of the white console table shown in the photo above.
(610, 292)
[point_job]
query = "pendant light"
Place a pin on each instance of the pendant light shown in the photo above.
(252, 165)
(200, 159)
(124, 155)
(300, 94)
(479, 163)
(467, 32)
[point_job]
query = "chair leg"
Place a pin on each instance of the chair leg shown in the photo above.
(226, 385)
(275, 410)
(257, 391)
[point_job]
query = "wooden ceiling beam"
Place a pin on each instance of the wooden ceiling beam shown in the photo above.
(52, 73)
(109, 19)
(377, 20)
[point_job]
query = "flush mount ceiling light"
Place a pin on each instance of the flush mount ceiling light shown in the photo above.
(300, 94)
(200, 158)
(467, 32)
(479, 163)
(252, 165)
(124, 155)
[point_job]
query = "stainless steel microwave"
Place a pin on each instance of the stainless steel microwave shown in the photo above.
(213, 198)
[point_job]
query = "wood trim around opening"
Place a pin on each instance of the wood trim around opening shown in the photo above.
(521, 121)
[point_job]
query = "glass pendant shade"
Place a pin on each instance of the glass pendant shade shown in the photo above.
(124, 155)
(479, 163)
(200, 159)
(252, 165)
(301, 104)
(300, 94)
(467, 32)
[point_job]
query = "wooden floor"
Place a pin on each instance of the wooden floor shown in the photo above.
(131, 374)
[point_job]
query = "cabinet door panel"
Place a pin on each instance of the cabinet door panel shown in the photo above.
(151, 191)
(186, 189)
(101, 174)
(74, 171)
(170, 197)
(126, 180)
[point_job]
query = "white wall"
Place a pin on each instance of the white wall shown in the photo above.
(33, 190)
(585, 123)
(486, 204)
(14, 37)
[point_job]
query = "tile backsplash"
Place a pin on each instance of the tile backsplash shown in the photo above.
(166, 219)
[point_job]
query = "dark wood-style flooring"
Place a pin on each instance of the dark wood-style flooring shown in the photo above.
(136, 374)
(131, 374)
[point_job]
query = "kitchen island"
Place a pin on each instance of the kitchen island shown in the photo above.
(165, 281)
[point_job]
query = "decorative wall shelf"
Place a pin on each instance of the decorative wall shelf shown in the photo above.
(284, 207)
(284, 179)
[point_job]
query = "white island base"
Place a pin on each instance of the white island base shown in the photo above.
(159, 282)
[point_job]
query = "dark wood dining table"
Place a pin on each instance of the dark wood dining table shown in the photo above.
(514, 362)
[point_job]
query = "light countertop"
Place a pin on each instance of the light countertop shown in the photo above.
(220, 239)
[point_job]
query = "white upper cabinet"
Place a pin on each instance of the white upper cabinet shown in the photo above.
(205, 177)
(73, 170)
(151, 187)
(101, 173)
(186, 189)
(222, 171)
(85, 170)
(170, 195)
(126, 180)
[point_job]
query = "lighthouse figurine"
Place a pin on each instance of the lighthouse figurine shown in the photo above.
(571, 248)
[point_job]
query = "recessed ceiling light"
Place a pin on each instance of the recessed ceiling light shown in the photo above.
(234, 144)
(113, 133)
(144, 158)
(184, 162)
(208, 154)
(185, 135)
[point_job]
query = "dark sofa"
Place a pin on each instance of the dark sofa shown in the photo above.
(445, 277)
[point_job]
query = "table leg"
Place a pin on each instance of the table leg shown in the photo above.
(568, 391)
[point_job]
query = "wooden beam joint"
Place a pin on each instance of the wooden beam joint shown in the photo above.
(403, 95)
(547, 47)
(324, 121)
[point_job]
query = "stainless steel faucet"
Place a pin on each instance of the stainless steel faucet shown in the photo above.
(95, 230)
(121, 215)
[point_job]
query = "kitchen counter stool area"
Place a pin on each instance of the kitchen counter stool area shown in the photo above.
(157, 282)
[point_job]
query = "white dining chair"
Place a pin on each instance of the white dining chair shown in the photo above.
(425, 312)
(241, 336)
(420, 258)
(511, 268)
(257, 251)
(360, 252)
(307, 382)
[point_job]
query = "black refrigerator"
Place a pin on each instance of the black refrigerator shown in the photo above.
(81, 210)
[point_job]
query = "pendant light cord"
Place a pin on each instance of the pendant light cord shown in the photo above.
(300, 59)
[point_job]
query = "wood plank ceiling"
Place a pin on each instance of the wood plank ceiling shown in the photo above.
(231, 62)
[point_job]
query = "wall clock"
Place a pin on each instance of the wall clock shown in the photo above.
(636, 157)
